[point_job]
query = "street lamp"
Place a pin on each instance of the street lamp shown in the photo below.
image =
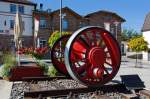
(60, 18)
(60, 24)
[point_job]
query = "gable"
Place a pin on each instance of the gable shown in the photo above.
(67, 10)
(106, 14)
(146, 25)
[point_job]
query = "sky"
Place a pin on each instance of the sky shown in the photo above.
(133, 11)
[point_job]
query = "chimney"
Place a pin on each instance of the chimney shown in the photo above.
(48, 10)
(41, 6)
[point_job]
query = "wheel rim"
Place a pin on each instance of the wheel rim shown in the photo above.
(97, 51)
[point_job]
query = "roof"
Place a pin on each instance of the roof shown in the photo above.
(26, 2)
(146, 25)
(66, 8)
(107, 12)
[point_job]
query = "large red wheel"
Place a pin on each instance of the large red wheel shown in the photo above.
(57, 54)
(92, 56)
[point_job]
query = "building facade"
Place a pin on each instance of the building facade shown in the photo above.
(72, 21)
(8, 9)
(49, 22)
(42, 27)
(40, 24)
(109, 20)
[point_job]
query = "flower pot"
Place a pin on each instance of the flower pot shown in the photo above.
(19, 72)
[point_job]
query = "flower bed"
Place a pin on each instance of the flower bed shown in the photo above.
(12, 72)
(36, 53)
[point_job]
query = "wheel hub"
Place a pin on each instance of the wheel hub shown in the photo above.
(96, 56)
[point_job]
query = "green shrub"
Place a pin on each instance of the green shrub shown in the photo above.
(55, 36)
(43, 65)
(9, 58)
(9, 61)
(52, 72)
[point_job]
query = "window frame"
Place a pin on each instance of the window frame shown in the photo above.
(13, 8)
(43, 22)
(12, 23)
(65, 24)
(21, 9)
(42, 44)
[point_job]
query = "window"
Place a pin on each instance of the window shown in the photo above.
(65, 24)
(1, 31)
(21, 9)
(43, 22)
(5, 23)
(42, 43)
(82, 24)
(13, 8)
(12, 22)
(113, 30)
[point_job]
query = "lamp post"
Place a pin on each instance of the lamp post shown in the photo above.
(60, 24)
(60, 18)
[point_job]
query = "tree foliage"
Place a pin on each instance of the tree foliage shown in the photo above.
(128, 34)
(55, 36)
(138, 44)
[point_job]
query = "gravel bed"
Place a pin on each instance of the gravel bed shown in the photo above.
(19, 88)
(59, 84)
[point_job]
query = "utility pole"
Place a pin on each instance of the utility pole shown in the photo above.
(60, 26)
(60, 18)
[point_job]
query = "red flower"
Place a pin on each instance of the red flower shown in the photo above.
(37, 52)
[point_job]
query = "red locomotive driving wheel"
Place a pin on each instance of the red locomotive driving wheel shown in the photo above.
(92, 56)
(57, 54)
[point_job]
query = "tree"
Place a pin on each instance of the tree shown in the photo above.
(128, 34)
(138, 44)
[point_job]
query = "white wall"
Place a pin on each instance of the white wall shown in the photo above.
(146, 36)
(6, 15)
(5, 7)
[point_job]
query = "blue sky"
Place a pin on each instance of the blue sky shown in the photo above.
(134, 11)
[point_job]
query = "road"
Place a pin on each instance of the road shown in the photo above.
(128, 67)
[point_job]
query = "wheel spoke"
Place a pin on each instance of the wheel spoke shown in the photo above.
(79, 51)
(105, 70)
(87, 39)
(78, 60)
(108, 64)
(108, 57)
(80, 69)
(106, 51)
(86, 44)
(94, 36)
(99, 42)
